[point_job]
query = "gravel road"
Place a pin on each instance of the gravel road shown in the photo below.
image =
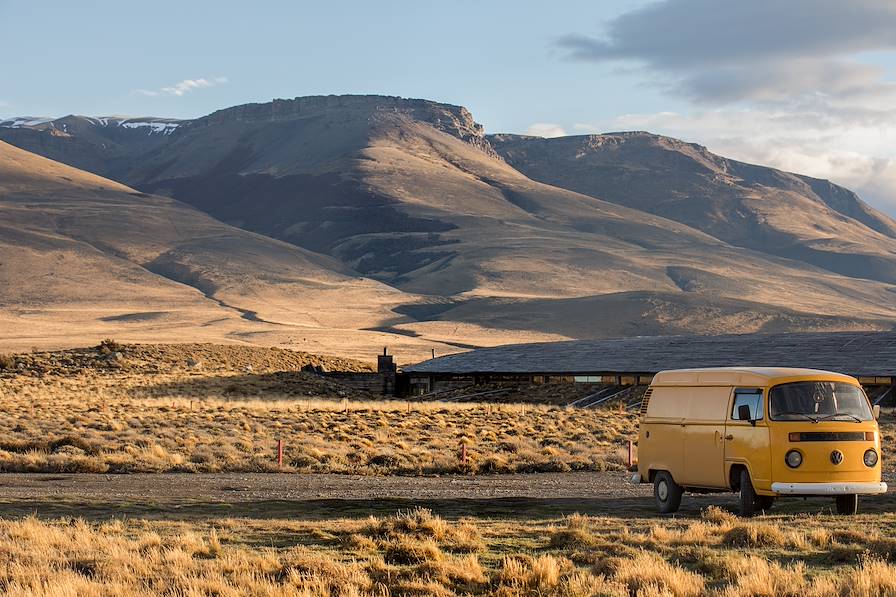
(325, 496)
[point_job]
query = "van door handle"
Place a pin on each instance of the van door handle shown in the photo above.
(729, 437)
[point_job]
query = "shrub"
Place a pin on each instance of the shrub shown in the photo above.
(650, 573)
(759, 576)
(7, 361)
(576, 535)
(716, 515)
(872, 577)
(751, 534)
(109, 345)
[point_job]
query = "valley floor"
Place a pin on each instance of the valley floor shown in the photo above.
(197, 408)
(541, 505)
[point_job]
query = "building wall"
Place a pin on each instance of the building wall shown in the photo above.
(375, 383)
(427, 384)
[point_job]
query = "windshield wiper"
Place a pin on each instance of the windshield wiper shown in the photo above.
(793, 412)
(827, 417)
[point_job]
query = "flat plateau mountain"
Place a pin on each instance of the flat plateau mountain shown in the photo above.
(387, 220)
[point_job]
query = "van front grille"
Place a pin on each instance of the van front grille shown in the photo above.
(645, 400)
(832, 436)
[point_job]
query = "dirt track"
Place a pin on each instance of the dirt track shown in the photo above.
(325, 496)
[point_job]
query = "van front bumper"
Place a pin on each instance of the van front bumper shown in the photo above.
(828, 488)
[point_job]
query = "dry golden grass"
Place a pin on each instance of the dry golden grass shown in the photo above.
(231, 421)
(205, 408)
(418, 553)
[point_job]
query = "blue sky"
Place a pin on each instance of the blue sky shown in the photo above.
(497, 58)
(805, 85)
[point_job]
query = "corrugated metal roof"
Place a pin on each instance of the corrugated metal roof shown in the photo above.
(854, 353)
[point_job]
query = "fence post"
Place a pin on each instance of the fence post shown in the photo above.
(463, 453)
(280, 453)
(631, 454)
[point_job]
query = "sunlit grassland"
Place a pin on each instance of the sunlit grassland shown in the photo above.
(418, 553)
(230, 422)
(171, 423)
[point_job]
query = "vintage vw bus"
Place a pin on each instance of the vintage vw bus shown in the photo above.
(763, 432)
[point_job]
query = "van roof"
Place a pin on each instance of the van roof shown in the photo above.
(743, 376)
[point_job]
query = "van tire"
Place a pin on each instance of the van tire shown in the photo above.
(749, 501)
(666, 492)
(847, 504)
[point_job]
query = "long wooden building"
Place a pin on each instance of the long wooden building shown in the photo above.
(869, 356)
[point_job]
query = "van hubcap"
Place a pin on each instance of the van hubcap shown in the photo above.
(662, 491)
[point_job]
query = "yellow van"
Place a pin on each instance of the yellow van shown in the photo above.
(763, 432)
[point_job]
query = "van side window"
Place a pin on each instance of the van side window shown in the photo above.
(750, 397)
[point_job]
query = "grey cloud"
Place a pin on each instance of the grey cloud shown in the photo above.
(760, 50)
(696, 33)
(781, 80)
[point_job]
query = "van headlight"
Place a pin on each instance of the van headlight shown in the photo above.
(794, 459)
(870, 458)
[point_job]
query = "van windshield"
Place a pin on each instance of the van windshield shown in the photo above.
(818, 401)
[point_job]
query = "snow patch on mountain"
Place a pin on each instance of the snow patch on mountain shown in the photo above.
(152, 126)
(162, 126)
(24, 121)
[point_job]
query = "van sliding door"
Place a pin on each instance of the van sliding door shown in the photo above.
(704, 430)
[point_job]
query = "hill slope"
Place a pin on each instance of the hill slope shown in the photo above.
(412, 194)
(85, 256)
(750, 206)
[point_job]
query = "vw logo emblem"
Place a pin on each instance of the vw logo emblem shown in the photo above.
(836, 456)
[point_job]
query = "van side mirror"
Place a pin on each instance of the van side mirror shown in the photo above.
(743, 413)
(876, 411)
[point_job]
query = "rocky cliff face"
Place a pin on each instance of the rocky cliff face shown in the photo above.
(456, 121)
(115, 146)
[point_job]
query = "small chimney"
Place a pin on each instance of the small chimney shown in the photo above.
(384, 363)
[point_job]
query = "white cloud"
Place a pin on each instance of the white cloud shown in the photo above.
(802, 85)
(856, 152)
(183, 87)
(546, 129)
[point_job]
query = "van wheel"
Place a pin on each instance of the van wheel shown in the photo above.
(749, 501)
(847, 504)
(666, 492)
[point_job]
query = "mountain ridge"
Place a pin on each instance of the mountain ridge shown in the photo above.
(499, 235)
(747, 205)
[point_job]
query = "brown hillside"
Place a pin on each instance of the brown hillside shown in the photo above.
(750, 206)
(399, 216)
